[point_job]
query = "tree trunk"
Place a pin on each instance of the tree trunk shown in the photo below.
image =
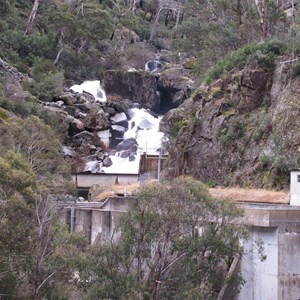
(31, 18)
(260, 4)
(239, 11)
(58, 55)
(153, 28)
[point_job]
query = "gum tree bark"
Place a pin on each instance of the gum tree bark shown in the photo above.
(31, 18)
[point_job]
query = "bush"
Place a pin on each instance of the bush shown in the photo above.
(261, 54)
(27, 108)
(265, 160)
(49, 81)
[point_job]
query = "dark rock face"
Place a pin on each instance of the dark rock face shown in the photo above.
(138, 86)
(175, 87)
(241, 130)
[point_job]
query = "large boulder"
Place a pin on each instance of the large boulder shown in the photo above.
(96, 120)
(138, 86)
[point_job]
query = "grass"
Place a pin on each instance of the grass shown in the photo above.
(250, 195)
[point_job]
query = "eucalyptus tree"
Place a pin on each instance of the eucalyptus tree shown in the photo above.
(177, 242)
(38, 257)
(38, 144)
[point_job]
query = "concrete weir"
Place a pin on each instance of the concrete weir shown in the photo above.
(270, 264)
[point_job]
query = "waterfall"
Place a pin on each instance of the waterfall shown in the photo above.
(131, 134)
(92, 87)
(153, 66)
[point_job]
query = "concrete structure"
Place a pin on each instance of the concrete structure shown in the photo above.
(97, 220)
(295, 188)
(275, 272)
(86, 180)
(270, 265)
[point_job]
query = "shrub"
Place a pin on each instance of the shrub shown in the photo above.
(265, 160)
(49, 81)
(261, 54)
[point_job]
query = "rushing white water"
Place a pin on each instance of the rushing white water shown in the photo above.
(145, 129)
(122, 165)
(92, 87)
(142, 126)
(153, 66)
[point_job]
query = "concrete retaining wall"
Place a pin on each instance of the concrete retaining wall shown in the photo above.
(87, 180)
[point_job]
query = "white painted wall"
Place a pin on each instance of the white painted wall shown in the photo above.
(295, 187)
(87, 180)
(261, 276)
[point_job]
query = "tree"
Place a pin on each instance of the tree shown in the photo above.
(261, 7)
(176, 243)
(17, 189)
(38, 257)
(172, 5)
(38, 144)
(31, 17)
(77, 25)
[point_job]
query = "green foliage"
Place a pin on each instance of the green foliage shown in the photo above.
(48, 80)
(174, 234)
(261, 54)
(26, 108)
(33, 244)
(234, 130)
(39, 145)
(265, 159)
(17, 189)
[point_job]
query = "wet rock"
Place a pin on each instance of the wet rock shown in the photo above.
(153, 66)
(107, 162)
(175, 87)
(126, 144)
(117, 118)
(118, 128)
(139, 86)
(75, 126)
(93, 167)
(145, 124)
(132, 157)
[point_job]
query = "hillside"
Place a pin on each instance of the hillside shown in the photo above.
(241, 129)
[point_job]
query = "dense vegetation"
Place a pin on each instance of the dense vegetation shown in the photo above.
(172, 247)
(57, 43)
(84, 38)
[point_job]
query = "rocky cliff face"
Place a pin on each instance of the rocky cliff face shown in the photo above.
(244, 129)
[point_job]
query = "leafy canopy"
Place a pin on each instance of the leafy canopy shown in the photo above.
(176, 242)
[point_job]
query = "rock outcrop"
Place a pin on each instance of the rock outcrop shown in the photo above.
(138, 86)
(90, 124)
(244, 129)
(174, 86)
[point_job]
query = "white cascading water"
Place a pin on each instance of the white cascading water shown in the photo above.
(92, 87)
(142, 126)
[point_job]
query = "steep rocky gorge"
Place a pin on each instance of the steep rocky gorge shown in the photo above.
(243, 129)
